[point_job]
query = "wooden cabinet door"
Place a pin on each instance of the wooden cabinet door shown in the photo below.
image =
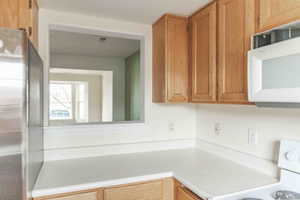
(204, 55)
(34, 20)
(272, 13)
(84, 195)
(9, 13)
(170, 60)
(159, 61)
(184, 194)
(146, 191)
(177, 59)
(236, 25)
(20, 14)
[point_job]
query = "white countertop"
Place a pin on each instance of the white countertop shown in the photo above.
(206, 174)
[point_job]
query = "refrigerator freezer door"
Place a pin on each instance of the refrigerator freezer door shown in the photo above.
(12, 120)
(21, 115)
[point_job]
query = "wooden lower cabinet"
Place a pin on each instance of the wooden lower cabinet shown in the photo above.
(183, 193)
(96, 194)
(155, 190)
(162, 189)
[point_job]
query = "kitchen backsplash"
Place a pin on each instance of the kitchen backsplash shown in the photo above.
(248, 129)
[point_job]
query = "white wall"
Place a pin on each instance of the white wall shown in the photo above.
(273, 125)
(107, 96)
(81, 141)
(190, 121)
(115, 64)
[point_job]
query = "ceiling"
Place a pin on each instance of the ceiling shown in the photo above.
(62, 42)
(142, 11)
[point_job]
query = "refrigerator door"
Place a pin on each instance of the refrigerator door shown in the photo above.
(12, 117)
(21, 115)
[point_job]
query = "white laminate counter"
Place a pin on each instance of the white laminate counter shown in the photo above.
(206, 174)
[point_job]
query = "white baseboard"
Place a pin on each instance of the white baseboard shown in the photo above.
(265, 166)
(113, 149)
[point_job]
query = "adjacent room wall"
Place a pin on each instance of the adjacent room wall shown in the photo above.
(95, 140)
(133, 89)
(114, 64)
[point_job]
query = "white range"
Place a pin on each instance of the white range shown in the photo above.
(289, 186)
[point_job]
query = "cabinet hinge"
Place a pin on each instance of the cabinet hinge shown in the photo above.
(30, 4)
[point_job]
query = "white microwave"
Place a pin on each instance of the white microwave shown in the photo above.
(274, 66)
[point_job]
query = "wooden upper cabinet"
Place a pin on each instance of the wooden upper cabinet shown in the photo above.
(170, 60)
(20, 14)
(34, 22)
(9, 13)
(273, 13)
(203, 54)
(236, 25)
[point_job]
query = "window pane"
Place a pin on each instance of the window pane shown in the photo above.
(82, 102)
(82, 92)
(60, 101)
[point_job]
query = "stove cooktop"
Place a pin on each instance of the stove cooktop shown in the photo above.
(275, 192)
(289, 186)
(279, 195)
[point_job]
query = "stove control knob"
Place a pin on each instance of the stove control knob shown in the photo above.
(291, 156)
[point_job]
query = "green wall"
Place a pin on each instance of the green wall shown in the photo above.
(133, 90)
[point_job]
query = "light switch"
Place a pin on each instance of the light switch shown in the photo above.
(252, 136)
(218, 128)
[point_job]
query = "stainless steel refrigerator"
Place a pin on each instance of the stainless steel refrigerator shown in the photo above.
(21, 115)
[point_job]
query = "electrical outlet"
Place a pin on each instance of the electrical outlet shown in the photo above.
(171, 126)
(252, 136)
(218, 128)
